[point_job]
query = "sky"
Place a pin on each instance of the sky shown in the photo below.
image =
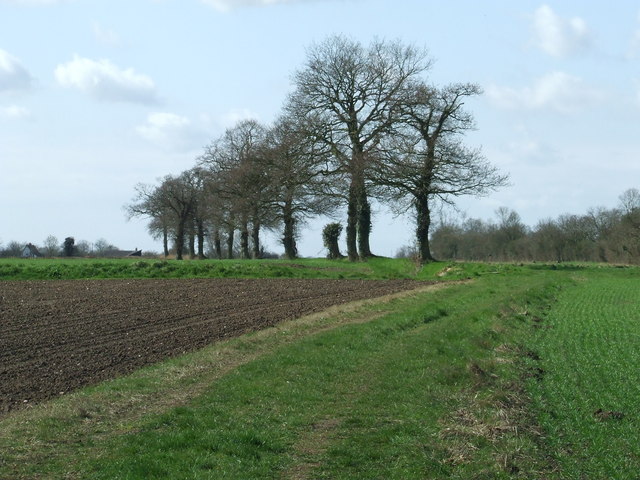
(97, 96)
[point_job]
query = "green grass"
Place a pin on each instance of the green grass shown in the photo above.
(81, 268)
(589, 395)
(374, 268)
(499, 377)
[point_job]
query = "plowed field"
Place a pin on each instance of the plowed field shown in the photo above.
(57, 336)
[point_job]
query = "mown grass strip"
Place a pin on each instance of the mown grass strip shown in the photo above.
(589, 393)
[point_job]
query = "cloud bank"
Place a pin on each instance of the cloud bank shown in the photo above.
(104, 80)
(557, 36)
(13, 76)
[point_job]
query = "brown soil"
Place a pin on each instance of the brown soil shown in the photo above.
(57, 336)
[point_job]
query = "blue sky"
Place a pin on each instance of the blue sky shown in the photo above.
(97, 96)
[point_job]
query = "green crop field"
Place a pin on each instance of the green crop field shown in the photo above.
(589, 396)
(517, 371)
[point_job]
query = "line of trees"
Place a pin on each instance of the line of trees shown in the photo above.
(600, 235)
(52, 247)
(361, 122)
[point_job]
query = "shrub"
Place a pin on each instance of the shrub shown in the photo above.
(330, 235)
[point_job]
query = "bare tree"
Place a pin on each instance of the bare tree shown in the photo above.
(630, 200)
(354, 92)
(51, 246)
(298, 187)
(216, 208)
(178, 195)
(236, 161)
(148, 202)
(426, 160)
(13, 249)
(171, 203)
(200, 211)
(101, 246)
(628, 229)
(82, 248)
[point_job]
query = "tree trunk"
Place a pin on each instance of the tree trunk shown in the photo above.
(200, 233)
(364, 224)
(334, 249)
(165, 240)
(423, 220)
(217, 246)
(244, 240)
(230, 234)
(179, 240)
(289, 234)
(255, 239)
(192, 242)
(352, 223)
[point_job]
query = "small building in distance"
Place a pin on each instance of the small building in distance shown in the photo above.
(30, 251)
(121, 253)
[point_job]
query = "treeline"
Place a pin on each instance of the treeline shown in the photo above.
(52, 247)
(600, 235)
(361, 122)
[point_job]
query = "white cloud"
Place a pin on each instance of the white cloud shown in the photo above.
(15, 112)
(557, 91)
(106, 36)
(227, 5)
(13, 76)
(103, 80)
(172, 132)
(557, 36)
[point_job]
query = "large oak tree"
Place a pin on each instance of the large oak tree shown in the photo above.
(241, 179)
(299, 188)
(354, 92)
(426, 160)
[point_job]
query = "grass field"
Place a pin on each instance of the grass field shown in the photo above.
(589, 396)
(82, 268)
(517, 372)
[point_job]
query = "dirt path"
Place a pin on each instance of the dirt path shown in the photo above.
(57, 336)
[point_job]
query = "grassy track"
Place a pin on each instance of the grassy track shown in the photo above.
(522, 372)
(589, 395)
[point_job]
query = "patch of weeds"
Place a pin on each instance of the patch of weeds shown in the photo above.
(55, 273)
(439, 313)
